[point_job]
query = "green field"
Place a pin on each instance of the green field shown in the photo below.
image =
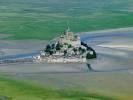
(45, 19)
(21, 90)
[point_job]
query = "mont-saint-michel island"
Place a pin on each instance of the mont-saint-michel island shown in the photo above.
(68, 48)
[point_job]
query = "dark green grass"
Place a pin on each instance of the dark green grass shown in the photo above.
(22, 90)
(45, 19)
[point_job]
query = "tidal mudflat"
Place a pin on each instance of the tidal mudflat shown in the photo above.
(112, 70)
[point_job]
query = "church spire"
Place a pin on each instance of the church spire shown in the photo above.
(68, 29)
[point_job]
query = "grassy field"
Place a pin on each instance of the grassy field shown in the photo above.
(21, 90)
(45, 19)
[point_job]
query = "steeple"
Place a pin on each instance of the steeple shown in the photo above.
(67, 30)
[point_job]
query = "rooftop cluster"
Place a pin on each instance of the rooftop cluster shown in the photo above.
(68, 46)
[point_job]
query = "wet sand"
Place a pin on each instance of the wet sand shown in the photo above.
(13, 47)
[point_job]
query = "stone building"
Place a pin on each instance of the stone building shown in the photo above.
(70, 38)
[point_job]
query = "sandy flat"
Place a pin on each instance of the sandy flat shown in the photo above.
(113, 69)
(118, 46)
(12, 47)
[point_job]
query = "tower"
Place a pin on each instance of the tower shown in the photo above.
(67, 31)
(69, 35)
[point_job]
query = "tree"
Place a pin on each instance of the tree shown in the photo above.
(80, 50)
(91, 56)
(48, 48)
(88, 56)
(58, 46)
(83, 50)
(51, 52)
(69, 46)
(65, 52)
(53, 46)
(75, 51)
(94, 54)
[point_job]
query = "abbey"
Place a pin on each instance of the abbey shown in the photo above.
(67, 48)
(70, 38)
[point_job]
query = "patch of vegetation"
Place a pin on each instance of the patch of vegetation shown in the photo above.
(20, 90)
(45, 19)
